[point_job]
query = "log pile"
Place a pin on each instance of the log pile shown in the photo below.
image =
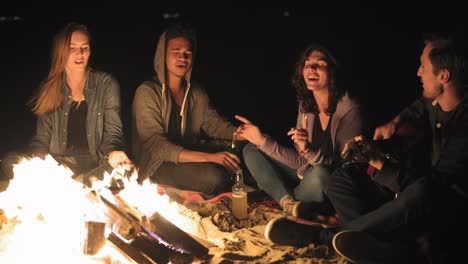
(154, 240)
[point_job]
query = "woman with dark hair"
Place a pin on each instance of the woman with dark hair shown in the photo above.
(327, 119)
(77, 109)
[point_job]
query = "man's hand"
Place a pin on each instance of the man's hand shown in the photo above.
(353, 150)
(386, 131)
(226, 159)
(119, 158)
(358, 149)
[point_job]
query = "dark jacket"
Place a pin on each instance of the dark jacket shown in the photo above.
(449, 159)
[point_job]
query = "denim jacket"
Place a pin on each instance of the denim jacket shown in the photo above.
(103, 123)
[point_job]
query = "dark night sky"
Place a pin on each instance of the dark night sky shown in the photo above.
(245, 55)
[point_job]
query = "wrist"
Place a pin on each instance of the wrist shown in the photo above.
(261, 141)
(206, 157)
(396, 121)
(305, 151)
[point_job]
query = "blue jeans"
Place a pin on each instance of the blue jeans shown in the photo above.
(280, 181)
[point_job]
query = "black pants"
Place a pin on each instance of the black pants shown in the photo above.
(205, 177)
(202, 177)
(364, 205)
(425, 208)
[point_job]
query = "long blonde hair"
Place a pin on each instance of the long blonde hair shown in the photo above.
(50, 97)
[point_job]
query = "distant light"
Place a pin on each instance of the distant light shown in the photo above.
(10, 18)
(286, 13)
(170, 15)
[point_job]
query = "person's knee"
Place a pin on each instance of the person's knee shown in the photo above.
(318, 176)
(412, 196)
(313, 185)
(249, 151)
(322, 172)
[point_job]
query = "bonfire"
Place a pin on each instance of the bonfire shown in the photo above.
(47, 216)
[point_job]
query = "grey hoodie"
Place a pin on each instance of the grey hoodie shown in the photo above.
(346, 123)
(151, 113)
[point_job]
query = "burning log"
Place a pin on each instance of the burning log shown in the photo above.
(82, 228)
(156, 226)
(95, 237)
(128, 224)
(156, 250)
(130, 251)
(156, 237)
(171, 234)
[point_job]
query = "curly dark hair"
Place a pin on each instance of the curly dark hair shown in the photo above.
(304, 96)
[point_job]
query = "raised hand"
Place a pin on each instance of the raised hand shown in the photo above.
(300, 137)
(250, 131)
(386, 131)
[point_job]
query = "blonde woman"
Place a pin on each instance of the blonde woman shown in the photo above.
(77, 109)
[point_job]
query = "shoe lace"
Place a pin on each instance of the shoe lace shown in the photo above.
(290, 207)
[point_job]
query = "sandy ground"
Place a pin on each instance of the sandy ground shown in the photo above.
(246, 242)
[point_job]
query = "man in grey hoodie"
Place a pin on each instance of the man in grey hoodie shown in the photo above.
(178, 138)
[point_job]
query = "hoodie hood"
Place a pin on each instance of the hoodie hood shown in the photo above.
(160, 69)
(160, 61)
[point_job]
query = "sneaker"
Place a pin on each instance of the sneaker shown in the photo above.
(301, 209)
(284, 231)
(292, 208)
(360, 247)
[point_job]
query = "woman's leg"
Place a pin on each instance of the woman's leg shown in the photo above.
(276, 179)
(313, 185)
